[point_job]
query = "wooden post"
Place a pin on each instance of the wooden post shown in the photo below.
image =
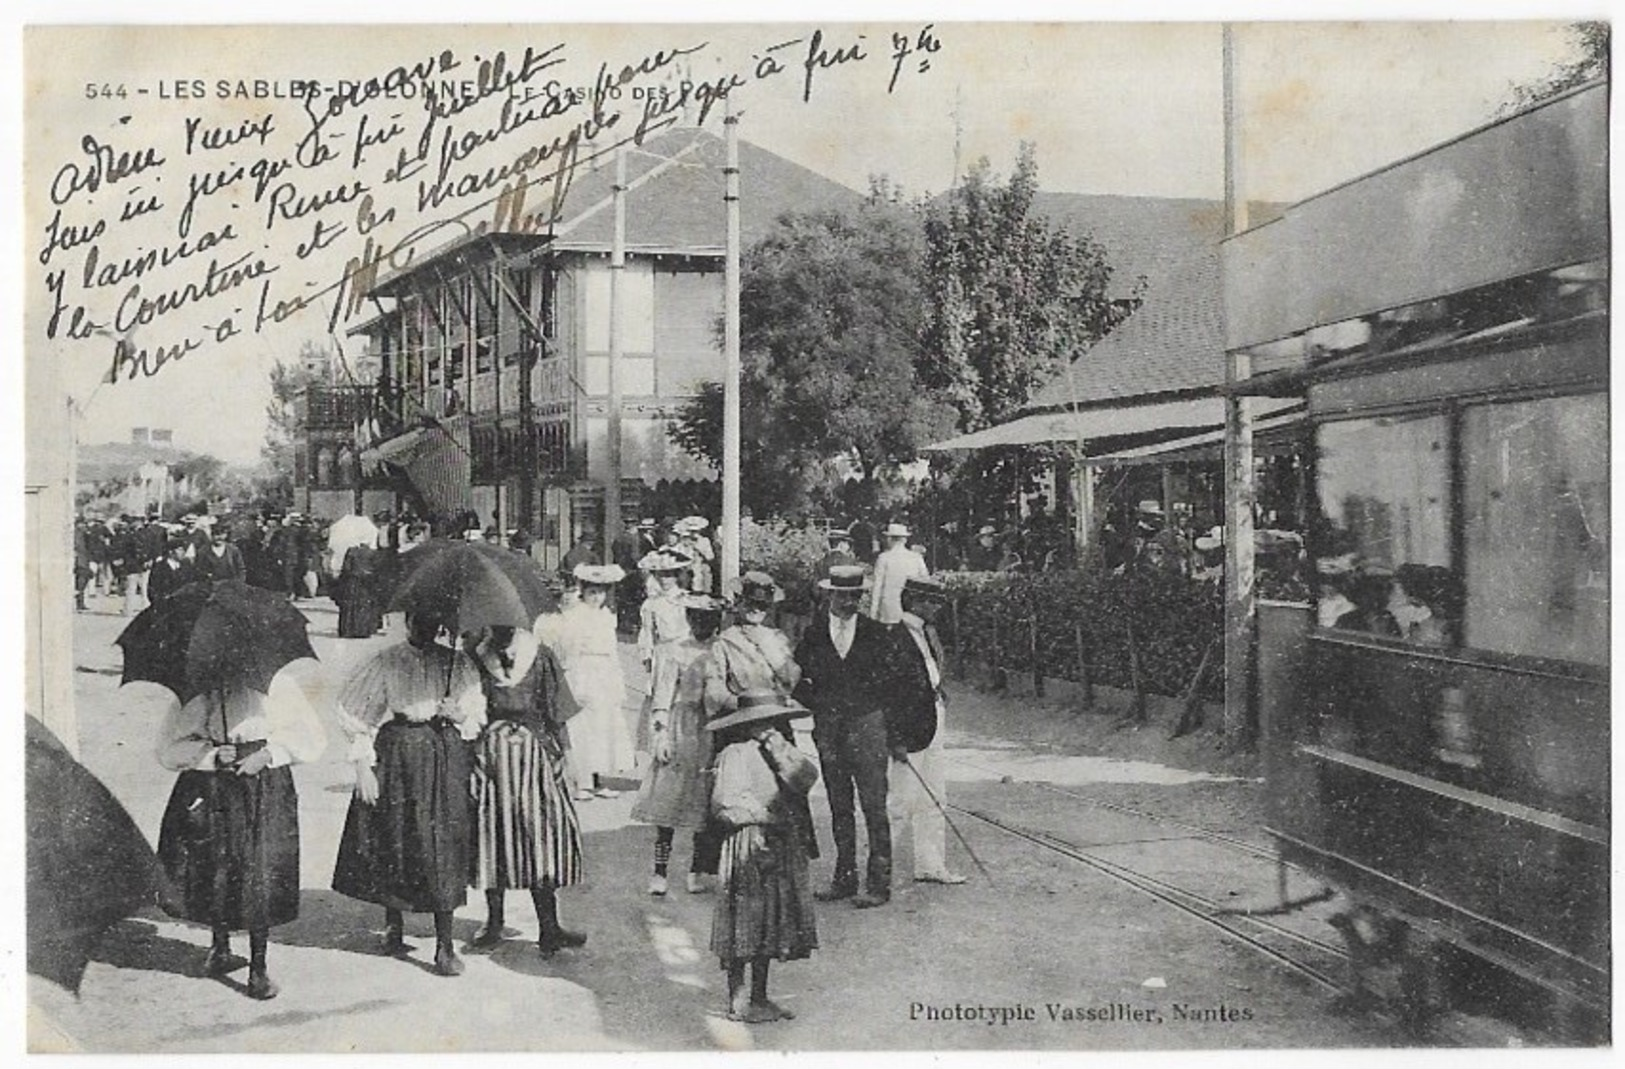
(617, 268)
(1086, 683)
(959, 639)
(1032, 646)
(1138, 713)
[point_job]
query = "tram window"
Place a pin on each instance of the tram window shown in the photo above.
(1536, 499)
(1384, 509)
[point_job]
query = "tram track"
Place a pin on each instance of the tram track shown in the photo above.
(1231, 923)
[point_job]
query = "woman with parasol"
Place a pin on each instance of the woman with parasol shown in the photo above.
(229, 839)
(409, 714)
(527, 834)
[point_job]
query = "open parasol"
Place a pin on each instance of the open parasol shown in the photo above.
(470, 586)
(214, 636)
(346, 533)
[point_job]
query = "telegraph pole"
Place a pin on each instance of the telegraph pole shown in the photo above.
(617, 268)
(1240, 601)
(730, 357)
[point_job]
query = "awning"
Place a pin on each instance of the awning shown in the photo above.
(1271, 433)
(1111, 422)
(436, 460)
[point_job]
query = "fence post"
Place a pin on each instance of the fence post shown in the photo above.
(959, 639)
(1032, 645)
(997, 663)
(1139, 713)
(1086, 684)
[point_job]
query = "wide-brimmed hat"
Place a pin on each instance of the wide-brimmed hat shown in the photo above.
(895, 530)
(694, 601)
(669, 559)
(599, 574)
(1214, 539)
(646, 524)
(846, 577)
(755, 588)
(760, 705)
(986, 529)
(1149, 506)
(691, 524)
(925, 589)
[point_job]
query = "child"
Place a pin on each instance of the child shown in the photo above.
(674, 791)
(765, 908)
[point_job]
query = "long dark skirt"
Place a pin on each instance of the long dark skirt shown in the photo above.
(361, 608)
(764, 908)
(411, 850)
(230, 846)
(527, 832)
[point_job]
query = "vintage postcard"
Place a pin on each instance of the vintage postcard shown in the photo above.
(816, 535)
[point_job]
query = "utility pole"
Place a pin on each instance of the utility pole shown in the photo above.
(730, 358)
(1240, 602)
(617, 268)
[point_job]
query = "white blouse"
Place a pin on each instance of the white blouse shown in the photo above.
(411, 683)
(192, 734)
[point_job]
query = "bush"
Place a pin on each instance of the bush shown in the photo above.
(1173, 621)
(790, 554)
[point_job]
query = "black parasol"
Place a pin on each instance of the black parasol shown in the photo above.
(469, 586)
(214, 636)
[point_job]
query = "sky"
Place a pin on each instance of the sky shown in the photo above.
(1111, 108)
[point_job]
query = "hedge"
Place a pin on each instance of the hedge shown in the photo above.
(1173, 622)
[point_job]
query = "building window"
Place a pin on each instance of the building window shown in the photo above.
(1536, 501)
(1384, 509)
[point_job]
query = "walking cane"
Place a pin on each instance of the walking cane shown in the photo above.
(929, 793)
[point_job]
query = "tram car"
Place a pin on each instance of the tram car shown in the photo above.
(1436, 723)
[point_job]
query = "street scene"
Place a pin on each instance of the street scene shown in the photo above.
(818, 538)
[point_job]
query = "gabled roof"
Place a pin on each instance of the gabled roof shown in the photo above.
(674, 201)
(1173, 343)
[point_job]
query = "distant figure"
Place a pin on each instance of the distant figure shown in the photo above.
(984, 553)
(583, 638)
(361, 606)
(171, 573)
(221, 560)
(893, 568)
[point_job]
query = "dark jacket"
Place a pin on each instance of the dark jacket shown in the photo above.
(865, 682)
(228, 565)
(913, 723)
(164, 580)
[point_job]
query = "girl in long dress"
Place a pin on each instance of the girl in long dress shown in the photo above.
(527, 834)
(675, 789)
(229, 841)
(764, 911)
(409, 714)
(584, 639)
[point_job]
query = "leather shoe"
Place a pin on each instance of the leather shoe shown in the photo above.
(836, 891)
(394, 943)
(940, 877)
(488, 938)
(870, 899)
(260, 985)
(222, 961)
(558, 939)
(447, 963)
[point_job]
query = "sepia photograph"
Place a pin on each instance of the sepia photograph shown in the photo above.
(814, 533)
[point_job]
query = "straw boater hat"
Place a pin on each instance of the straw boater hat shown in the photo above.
(598, 574)
(669, 559)
(846, 577)
(987, 529)
(693, 524)
(511, 662)
(757, 705)
(755, 588)
(895, 530)
(695, 602)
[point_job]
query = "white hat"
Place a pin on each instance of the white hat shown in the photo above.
(987, 529)
(1153, 507)
(895, 530)
(599, 574)
(1212, 540)
(692, 523)
(670, 559)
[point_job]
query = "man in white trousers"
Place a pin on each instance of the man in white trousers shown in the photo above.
(911, 805)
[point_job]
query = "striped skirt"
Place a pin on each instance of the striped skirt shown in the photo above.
(764, 908)
(526, 830)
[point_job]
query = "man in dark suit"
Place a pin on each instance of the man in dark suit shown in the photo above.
(221, 560)
(848, 669)
(171, 573)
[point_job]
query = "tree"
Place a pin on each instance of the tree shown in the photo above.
(284, 417)
(831, 311)
(1588, 61)
(1012, 301)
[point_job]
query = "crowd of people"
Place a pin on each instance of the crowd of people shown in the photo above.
(471, 753)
